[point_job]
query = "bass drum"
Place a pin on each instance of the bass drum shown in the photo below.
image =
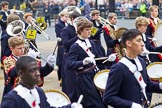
(57, 98)
(158, 29)
(158, 105)
(100, 79)
(154, 71)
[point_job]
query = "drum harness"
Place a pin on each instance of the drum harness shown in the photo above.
(136, 72)
(89, 53)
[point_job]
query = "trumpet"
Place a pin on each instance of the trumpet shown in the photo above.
(40, 28)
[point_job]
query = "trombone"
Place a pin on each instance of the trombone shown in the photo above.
(32, 21)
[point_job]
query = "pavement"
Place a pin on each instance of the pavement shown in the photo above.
(46, 47)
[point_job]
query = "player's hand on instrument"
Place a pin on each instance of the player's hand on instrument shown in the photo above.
(145, 52)
(51, 59)
(33, 53)
(88, 60)
(136, 105)
(154, 40)
(112, 57)
(76, 105)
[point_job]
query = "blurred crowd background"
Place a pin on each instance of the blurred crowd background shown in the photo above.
(124, 8)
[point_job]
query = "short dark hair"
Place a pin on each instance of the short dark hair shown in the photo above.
(4, 3)
(74, 15)
(130, 35)
(21, 63)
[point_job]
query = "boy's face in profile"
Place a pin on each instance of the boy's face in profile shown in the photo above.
(5, 8)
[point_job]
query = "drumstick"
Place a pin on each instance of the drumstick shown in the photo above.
(155, 53)
(58, 40)
(105, 61)
(101, 58)
(80, 99)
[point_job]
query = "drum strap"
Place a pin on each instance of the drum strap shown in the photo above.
(136, 71)
(87, 50)
(27, 96)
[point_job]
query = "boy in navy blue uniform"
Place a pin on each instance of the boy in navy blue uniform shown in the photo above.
(68, 36)
(81, 61)
(27, 94)
(141, 24)
(62, 22)
(128, 83)
(96, 38)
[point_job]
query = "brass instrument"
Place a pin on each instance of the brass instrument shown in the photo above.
(15, 28)
(115, 34)
(71, 9)
(40, 27)
(104, 22)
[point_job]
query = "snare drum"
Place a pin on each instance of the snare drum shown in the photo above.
(100, 79)
(157, 105)
(154, 71)
(57, 98)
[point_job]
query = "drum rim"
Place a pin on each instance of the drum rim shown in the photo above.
(151, 64)
(100, 72)
(154, 105)
(60, 92)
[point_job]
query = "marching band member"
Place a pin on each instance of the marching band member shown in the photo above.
(17, 47)
(5, 50)
(154, 20)
(27, 94)
(110, 39)
(97, 36)
(62, 22)
(68, 36)
(128, 83)
(141, 24)
(4, 14)
(81, 61)
(30, 26)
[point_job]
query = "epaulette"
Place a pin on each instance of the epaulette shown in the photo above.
(8, 64)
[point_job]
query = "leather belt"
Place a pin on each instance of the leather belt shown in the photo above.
(87, 70)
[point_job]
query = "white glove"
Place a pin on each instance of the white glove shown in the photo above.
(119, 40)
(145, 52)
(51, 59)
(160, 86)
(112, 57)
(154, 40)
(88, 60)
(76, 105)
(33, 54)
(136, 105)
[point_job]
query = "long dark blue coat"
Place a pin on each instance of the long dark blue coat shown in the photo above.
(13, 100)
(68, 36)
(58, 28)
(122, 87)
(3, 21)
(83, 82)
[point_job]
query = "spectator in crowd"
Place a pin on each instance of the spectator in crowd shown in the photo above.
(143, 8)
(54, 10)
(47, 12)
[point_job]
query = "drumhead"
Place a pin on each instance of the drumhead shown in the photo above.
(57, 98)
(157, 105)
(158, 33)
(154, 70)
(100, 79)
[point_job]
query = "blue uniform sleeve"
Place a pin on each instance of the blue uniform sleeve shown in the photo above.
(58, 29)
(45, 70)
(72, 61)
(66, 39)
(114, 82)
